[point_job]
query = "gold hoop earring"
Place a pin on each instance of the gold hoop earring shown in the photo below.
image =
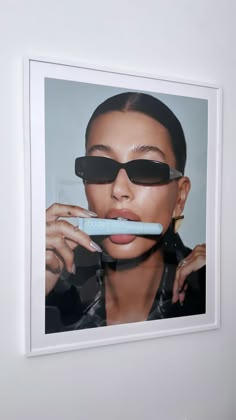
(177, 222)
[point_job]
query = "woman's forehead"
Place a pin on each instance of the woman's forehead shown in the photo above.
(129, 132)
(133, 121)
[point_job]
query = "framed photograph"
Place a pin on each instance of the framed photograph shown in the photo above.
(123, 178)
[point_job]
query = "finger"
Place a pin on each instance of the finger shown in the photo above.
(178, 291)
(195, 260)
(182, 293)
(199, 250)
(193, 265)
(63, 252)
(53, 263)
(65, 230)
(175, 296)
(72, 244)
(181, 298)
(57, 210)
(61, 229)
(193, 256)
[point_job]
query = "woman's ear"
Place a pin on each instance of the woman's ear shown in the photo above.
(184, 186)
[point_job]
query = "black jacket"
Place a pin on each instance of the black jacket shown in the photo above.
(77, 302)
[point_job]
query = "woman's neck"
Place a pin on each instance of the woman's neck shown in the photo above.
(130, 290)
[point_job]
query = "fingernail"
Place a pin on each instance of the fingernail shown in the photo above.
(181, 303)
(95, 246)
(73, 269)
(89, 213)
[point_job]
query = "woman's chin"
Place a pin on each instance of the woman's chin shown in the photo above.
(125, 247)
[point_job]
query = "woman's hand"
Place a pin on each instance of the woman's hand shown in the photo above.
(61, 240)
(193, 262)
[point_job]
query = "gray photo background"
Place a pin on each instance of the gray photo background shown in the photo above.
(68, 107)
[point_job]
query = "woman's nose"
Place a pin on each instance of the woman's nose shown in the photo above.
(122, 186)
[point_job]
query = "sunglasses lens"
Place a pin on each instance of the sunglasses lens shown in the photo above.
(102, 170)
(95, 169)
(147, 172)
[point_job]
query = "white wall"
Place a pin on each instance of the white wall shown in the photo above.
(184, 377)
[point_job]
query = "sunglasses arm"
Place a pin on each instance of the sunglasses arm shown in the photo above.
(174, 173)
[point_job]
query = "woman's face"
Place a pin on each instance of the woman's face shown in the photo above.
(125, 136)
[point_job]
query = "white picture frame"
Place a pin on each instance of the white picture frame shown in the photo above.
(37, 73)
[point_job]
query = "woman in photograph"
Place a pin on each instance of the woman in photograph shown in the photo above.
(133, 169)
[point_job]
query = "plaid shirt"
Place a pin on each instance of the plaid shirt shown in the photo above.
(70, 307)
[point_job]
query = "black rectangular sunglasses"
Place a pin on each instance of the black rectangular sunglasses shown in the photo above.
(103, 170)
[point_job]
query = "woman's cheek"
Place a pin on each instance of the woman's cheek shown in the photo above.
(160, 208)
(96, 198)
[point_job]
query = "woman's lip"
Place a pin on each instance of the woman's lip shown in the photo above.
(122, 239)
(125, 213)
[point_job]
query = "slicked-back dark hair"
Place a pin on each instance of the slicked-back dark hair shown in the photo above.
(152, 107)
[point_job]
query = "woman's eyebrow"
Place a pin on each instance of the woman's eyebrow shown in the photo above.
(100, 148)
(144, 148)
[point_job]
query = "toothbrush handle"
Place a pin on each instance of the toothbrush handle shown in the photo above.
(96, 226)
